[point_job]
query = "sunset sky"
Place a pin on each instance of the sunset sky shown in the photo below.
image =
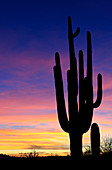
(30, 34)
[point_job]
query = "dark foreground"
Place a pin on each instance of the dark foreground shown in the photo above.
(56, 161)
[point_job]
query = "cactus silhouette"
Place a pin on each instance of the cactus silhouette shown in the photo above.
(95, 140)
(79, 120)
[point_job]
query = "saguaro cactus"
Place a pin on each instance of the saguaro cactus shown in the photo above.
(79, 120)
(95, 140)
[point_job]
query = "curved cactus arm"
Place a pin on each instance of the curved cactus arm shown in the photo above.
(62, 115)
(99, 92)
(77, 32)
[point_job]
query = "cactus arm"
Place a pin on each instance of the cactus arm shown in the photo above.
(99, 92)
(88, 107)
(81, 81)
(77, 32)
(62, 115)
(89, 100)
(82, 92)
(81, 66)
(89, 59)
(72, 74)
(73, 60)
(71, 42)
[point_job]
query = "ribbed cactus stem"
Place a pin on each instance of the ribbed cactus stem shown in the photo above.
(95, 140)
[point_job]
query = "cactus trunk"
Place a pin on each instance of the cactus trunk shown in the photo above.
(75, 144)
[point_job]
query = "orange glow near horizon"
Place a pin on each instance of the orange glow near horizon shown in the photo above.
(45, 139)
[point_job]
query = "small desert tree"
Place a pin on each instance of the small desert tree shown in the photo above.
(106, 146)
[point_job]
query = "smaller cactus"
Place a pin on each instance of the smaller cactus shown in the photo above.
(95, 140)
